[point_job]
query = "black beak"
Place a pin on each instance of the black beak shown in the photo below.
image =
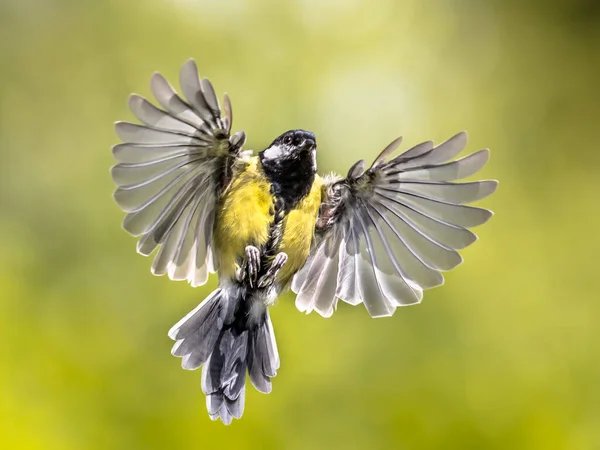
(308, 144)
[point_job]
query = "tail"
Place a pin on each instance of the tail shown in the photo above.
(227, 337)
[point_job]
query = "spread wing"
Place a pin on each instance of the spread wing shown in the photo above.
(170, 171)
(385, 234)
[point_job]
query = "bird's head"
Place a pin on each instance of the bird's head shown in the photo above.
(294, 149)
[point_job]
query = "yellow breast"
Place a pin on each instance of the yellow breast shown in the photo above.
(246, 213)
(244, 217)
(299, 226)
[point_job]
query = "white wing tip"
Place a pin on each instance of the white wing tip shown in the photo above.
(172, 333)
(379, 316)
(157, 77)
(325, 314)
(177, 344)
(301, 307)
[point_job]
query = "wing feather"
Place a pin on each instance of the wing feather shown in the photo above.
(174, 105)
(413, 266)
(448, 235)
(439, 154)
(189, 80)
(346, 280)
(369, 284)
(460, 215)
(413, 152)
(385, 234)
(319, 283)
(153, 117)
(457, 193)
(396, 285)
(142, 134)
(143, 153)
(455, 170)
(170, 171)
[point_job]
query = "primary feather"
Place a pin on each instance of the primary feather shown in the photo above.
(170, 171)
(401, 221)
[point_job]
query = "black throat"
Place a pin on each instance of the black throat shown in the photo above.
(291, 179)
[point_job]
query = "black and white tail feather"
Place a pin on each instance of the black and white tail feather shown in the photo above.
(219, 336)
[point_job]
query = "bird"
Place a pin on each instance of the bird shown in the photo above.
(267, 223)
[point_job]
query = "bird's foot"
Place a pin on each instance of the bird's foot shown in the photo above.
(250, 267)
(268, 278)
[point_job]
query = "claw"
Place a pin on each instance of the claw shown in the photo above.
(268, 278)
(252, 263)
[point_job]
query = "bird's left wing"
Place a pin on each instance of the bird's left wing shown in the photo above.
(171, 170)
(384, 234)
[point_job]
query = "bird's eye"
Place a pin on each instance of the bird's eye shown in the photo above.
(287, 140)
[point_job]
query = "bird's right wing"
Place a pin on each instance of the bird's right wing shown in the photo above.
(171, 170)
(384, 234)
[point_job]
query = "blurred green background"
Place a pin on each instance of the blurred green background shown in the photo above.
(504, 356)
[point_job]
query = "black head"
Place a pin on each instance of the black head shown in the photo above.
(290, 162)
(294, 146)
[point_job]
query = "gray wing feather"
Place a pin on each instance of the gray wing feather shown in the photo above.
(147, 220)
(141, 134)
(459, 215)
(174, 105)
(143, 154)
(228, 119)
(185, 256)
(153, 117)
(211, 98)
(386, 234)
(369, 276)
(414, 152)
(424, 156)
(457, 193)
(455, 170)
(189, 80)
(448, 235)
(170, 171)
(412, 266)
(325, 301)
(399, 286)
(318, 287)
(274, 361)
(346, 280)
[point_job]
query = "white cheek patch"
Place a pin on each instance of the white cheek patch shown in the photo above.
(313, 155)
(274, 152)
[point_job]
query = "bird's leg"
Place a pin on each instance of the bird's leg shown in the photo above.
(250, 267)
(268, 278)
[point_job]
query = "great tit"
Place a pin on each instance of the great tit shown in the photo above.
(265, 223)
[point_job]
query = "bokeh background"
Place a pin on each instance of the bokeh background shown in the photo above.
(504, 356)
